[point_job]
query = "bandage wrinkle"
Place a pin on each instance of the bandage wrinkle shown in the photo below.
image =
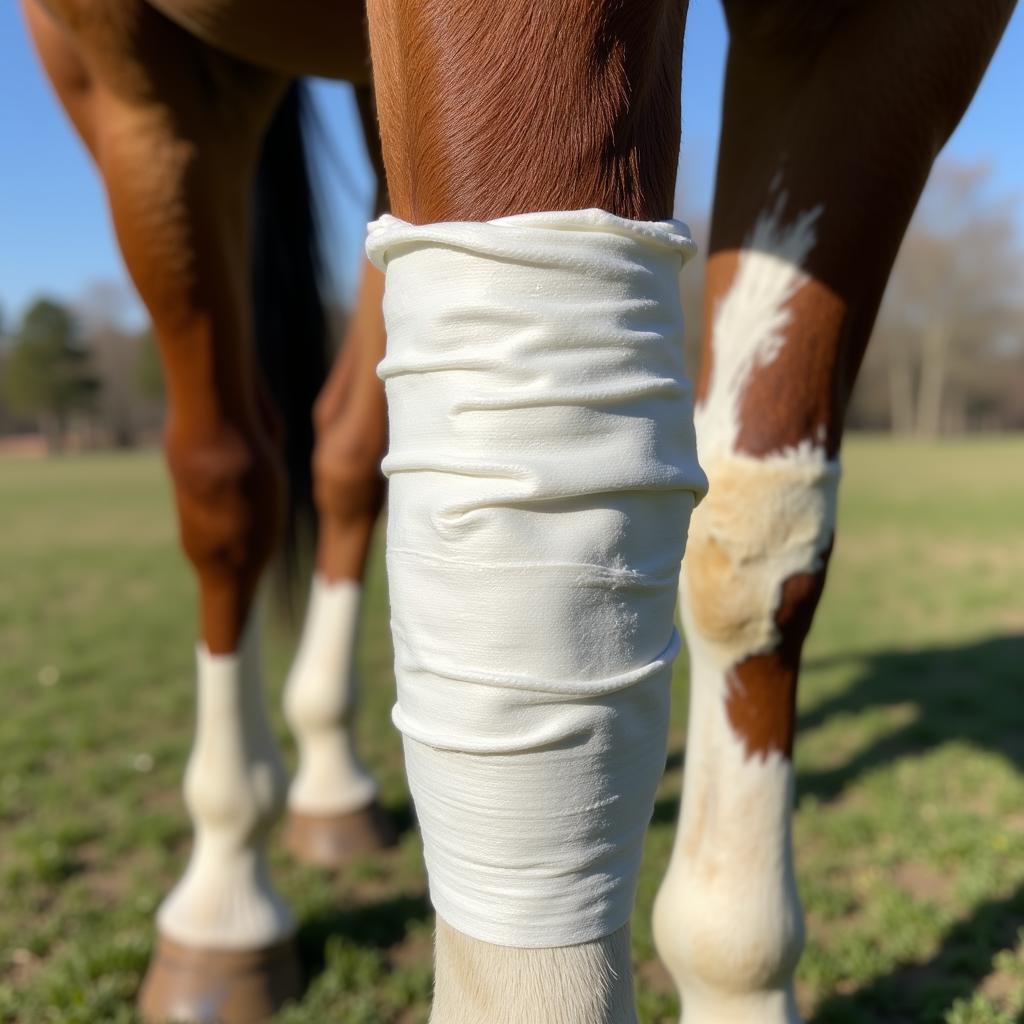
(543, 470)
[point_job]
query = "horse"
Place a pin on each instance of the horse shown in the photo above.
(543, 449)
(204, 159)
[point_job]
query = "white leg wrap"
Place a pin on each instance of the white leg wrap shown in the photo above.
(318, 702)
(543, 470)
(234, 789)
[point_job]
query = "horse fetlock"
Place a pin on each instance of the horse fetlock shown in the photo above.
(727, 919)
(229, 489)
(773, 1006)
(731, 939)
(238, 801)
(234, 789)
(711, 929)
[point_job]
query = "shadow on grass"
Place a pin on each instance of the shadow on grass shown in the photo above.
(401, 815)
(924, 993)
(666, 811)
(970, 693)
(378, 925)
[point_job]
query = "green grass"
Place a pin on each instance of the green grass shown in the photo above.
(910, 821)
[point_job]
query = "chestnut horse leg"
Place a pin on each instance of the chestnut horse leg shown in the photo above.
(830, 128)
(175, 129)
(486, 111)
(333, 812)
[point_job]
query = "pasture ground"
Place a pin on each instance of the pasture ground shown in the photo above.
(910, 822)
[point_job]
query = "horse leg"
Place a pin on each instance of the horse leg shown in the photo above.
(333, 812)
(542, 470)
(816, 184)
(176, 131)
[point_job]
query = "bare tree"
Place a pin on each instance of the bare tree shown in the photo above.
(114, 360)
(953, 303)
(108, 312)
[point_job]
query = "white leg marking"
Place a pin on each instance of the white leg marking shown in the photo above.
(479, 982)
(728, 921)
(234, 789)
(750, 322)
(318, 703)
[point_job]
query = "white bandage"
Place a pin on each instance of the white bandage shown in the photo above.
(543, 469)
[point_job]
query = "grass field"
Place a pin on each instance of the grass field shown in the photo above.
(910, 821)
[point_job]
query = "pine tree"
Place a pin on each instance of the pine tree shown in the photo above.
(47, 373)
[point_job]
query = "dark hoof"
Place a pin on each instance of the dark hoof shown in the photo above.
(332, 840)
(217, 986)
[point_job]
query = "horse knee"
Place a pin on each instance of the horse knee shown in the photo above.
(348, 483)
(543, 468)
(229, 490)
(757, 551)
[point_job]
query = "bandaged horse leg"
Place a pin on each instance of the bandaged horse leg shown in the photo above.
(176, 181)
(333, 812)
(541, 457)
(795, 275)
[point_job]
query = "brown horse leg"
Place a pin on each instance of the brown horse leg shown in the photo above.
(830, 129)
(333, 812)
(176, 128)
(350, 415)
(351, 423)
(492, 110)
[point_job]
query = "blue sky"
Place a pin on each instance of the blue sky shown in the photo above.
(55, 236)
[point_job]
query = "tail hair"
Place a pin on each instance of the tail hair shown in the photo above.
(290, 321)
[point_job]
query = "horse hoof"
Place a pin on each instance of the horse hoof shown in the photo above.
(332, 840)
(217, 986)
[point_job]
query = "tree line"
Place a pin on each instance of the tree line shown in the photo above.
(77, 373)
(947, 353)
(947, 356)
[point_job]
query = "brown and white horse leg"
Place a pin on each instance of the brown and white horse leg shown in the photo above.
(542, 469)
(175, 129)
(333, 812)
(815, 187)
(727, 919)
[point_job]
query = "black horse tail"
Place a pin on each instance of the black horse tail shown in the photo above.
(290, 321)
